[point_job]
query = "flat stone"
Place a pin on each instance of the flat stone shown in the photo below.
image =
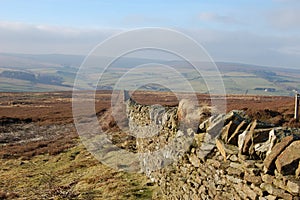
(261, 135)
(256, 189)
(280, 183)
(203, 126)
(232, 179)
(241, 138)
(233, 158)
(194, 160)
(267, 178)
(269, 161)
(221, 148)
(233, 139)
(236, 165)
(271, 197)
(298, 171)
(288, 161)
(275, 191)
(234, 171)
(239, 189)
(293, 187)
(216, 164)
(234, 116)
(215, 127)
(225, 132)
(249, 138)
(204, 150)
(252, 179)
(249, 192)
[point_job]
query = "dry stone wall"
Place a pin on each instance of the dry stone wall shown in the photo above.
(229, 157)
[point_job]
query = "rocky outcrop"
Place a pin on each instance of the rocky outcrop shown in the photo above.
(229, 157)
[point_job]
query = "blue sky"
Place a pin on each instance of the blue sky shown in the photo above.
(252, 31)
(124, 14)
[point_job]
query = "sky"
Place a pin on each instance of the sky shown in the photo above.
(264, 32)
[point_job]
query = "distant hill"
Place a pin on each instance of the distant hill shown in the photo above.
(52, 72)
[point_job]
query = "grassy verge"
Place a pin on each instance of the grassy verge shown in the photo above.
(73, 174)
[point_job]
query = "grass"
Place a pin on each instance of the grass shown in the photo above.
(73, 174)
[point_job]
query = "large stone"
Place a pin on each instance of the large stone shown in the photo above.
(269, 162)
(236, 116)
(263, 149)
(227, 131)
(241, 138)
(204, 150)
(275, 191)
(249, 138)
(288, 161)
(293, 186)
(191, 114)
(261, 135)
(249, 192)
(233, 139)
(216, 125)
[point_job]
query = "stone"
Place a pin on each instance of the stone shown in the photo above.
(236, 165)
(262, 149)
(271, 197)
(198, 139)
(252, 178)
(225, 132)
(298, 171)
(249, 138)
(288, 161)
(269, 162)
(272, 140)
(203, 126)
(267, 178)
(230, 129)
(194, 160)
(211, 162)
(256, 189)
(233, 139)
(234, 116)
(232, 179)
(249, 192)
(204, 150)
(233, 158)
(248, 163)
(239, 189)
(293, 187)
(234, 171)
(216, 125)
(275, 191)
(261, 135)
(280, 183)
(221, 148)
(241, 138)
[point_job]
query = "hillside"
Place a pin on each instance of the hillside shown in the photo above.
(20, 72)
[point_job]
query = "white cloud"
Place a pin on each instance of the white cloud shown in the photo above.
(214, 17)
(285, 19)
(18, 37)
(289, 50)
(234, 46)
